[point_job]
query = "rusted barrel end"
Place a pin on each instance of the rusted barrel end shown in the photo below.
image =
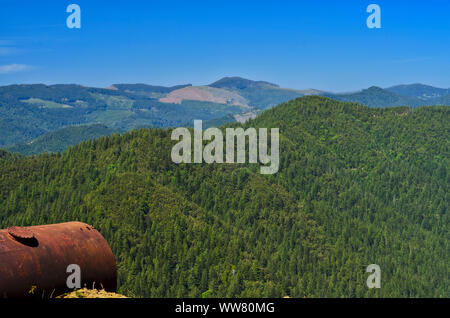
(49, 260)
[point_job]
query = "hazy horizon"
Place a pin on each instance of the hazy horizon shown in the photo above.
(206, 84)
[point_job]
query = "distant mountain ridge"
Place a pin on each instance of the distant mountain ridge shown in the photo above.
(240, 83)
(376, 97)
(29, 111)
(413, 95)
(424, 92)
(145, 89)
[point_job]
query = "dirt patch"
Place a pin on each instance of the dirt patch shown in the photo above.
(204, 94)
(242, 118)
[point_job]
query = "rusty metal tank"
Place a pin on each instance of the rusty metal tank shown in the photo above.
(34, 260)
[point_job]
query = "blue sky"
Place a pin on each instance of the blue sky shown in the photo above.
(297, 44)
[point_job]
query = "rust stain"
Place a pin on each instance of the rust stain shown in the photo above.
(20, 232)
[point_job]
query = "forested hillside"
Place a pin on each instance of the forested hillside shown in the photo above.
(61, 139)
(30, 111)
(356, 186)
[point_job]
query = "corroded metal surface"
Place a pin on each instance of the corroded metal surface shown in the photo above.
(34, 260)
(20, 232)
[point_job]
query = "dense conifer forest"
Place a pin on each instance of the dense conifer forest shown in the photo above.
(356, 186)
